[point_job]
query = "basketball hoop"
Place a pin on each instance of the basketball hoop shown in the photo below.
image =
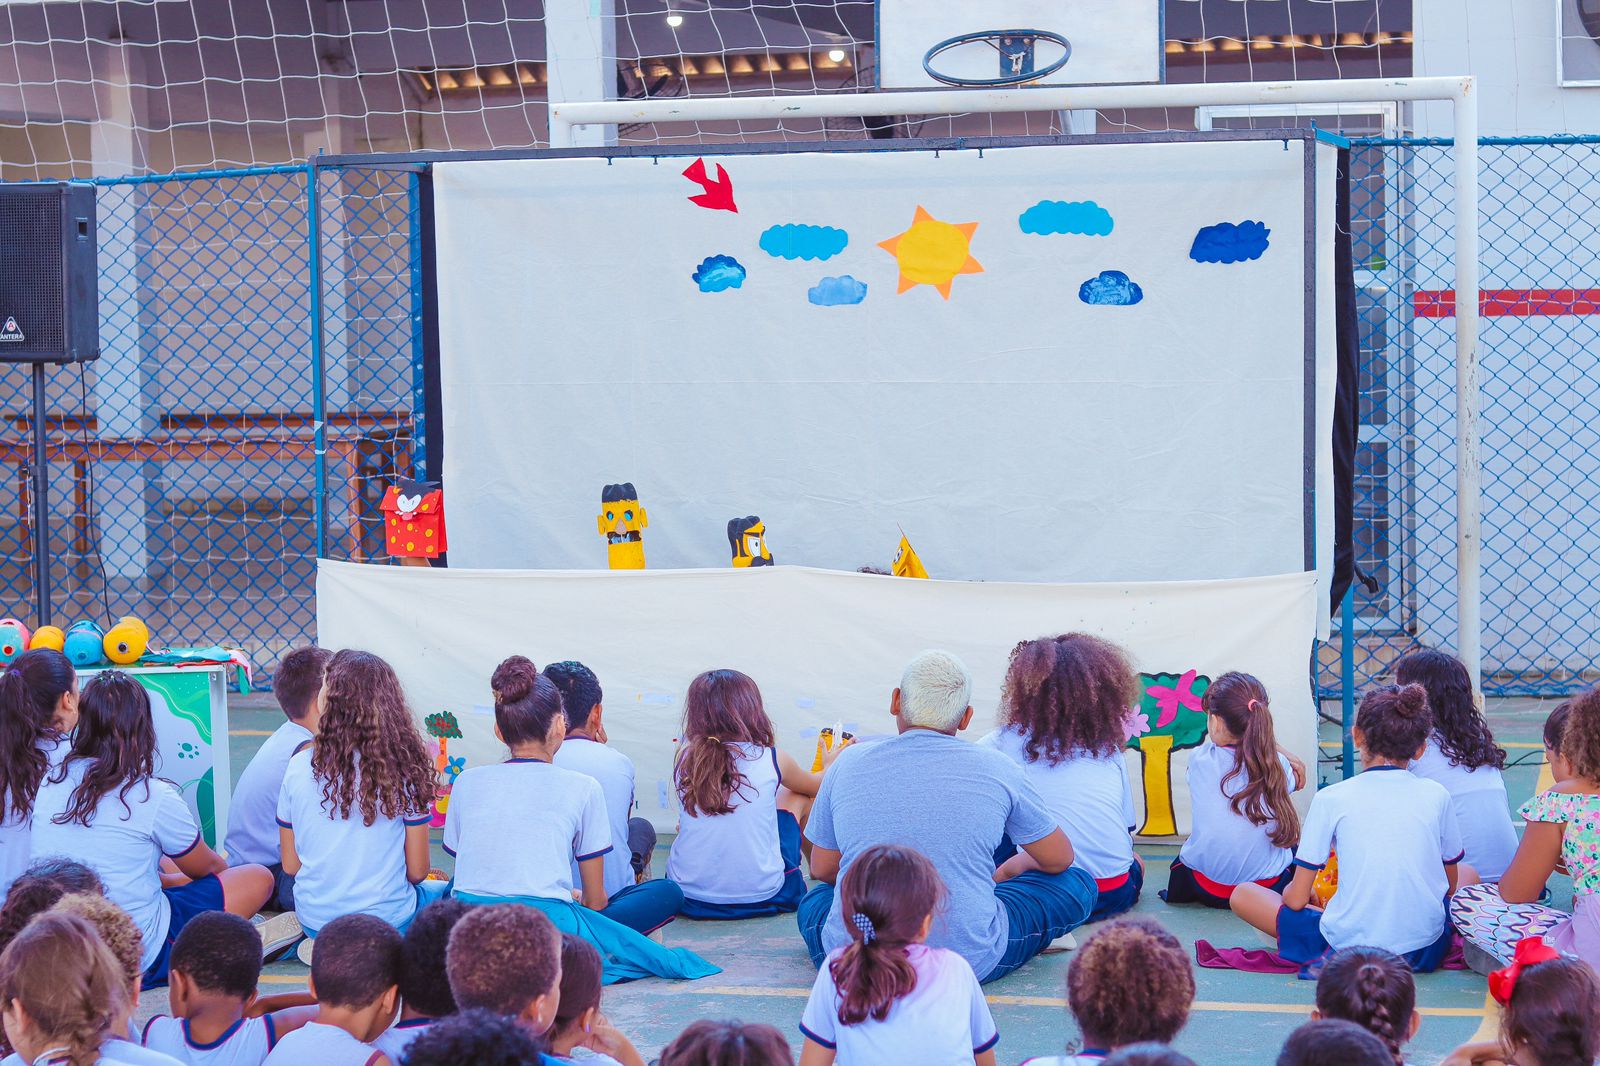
(1015, 48)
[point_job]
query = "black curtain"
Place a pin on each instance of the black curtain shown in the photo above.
(1347, 402)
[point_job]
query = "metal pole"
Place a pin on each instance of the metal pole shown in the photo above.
(1469, 475)
(1347, 677)
(41, 502)
(319, 399)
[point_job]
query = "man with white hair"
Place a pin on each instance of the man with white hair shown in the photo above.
(952, 801)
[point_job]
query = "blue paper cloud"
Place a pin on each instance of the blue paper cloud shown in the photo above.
(1229, 243)
(1055, 216)
(795, 241)
(718, 272)
(1111, 288)
(836, 292)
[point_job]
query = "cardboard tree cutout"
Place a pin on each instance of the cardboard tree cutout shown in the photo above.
(747, 537)
(1166, 719)
(621, 522)
(443, 728)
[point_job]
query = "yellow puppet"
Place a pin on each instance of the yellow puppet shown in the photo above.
(620, 522)
(907, 563)
(748, 539)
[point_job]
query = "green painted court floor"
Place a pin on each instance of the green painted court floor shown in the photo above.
(1238, 1017)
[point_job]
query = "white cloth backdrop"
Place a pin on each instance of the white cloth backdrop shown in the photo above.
(825, 646)
(1016, 432)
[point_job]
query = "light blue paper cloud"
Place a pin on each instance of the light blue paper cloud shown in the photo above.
(718, 272)
(794, 241)
(1111, 288)
(836, 292)
(1229, 243)
(1055, 216)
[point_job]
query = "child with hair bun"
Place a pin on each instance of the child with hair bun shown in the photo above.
(1550, 1012)
(1563, 828)
(888, 998)
(1374, 989)
(516, 827)
(1244, 825)
(1130, 983)
(1398, 843)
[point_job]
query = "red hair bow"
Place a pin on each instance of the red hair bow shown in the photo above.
(1530, 952)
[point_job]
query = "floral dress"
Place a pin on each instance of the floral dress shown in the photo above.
(1488, 921)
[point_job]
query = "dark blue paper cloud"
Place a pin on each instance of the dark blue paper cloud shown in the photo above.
(837, 292)
(1229, 243)
(1111, 288)
(794, 241)
(1055, 216)
(718, 272)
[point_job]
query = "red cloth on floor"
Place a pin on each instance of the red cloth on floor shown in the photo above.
(1260, 960)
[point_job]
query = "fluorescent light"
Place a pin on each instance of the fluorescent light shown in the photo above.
(674, 21)
(836, 54)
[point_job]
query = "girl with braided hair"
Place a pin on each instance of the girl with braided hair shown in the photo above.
(1374, 989)
(887, 997)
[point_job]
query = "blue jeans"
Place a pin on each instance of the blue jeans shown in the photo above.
(1039, 908)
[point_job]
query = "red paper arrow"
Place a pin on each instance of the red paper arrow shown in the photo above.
(718, 195)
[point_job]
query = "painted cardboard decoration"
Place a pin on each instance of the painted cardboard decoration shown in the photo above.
(907, 563)
(1166, 719)
(717, 195)
(747, 537)
(622, 522)
(413, 519)
(931, 252)
(443, 728)
(125, 643)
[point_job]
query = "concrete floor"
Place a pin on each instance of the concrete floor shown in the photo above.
(1237, 1018)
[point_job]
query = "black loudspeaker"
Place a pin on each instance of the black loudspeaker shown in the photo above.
(49, 292)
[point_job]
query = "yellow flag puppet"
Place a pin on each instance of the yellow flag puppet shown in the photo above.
(621, 521)
(906, 561)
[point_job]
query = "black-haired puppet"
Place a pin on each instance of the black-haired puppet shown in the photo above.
(748, 539)
(413, 521)
(621, 519)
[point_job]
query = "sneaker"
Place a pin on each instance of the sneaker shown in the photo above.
(277, 933)
(303, 952)
(1064, 942)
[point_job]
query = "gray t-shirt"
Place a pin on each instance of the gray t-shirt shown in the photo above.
(950, 800)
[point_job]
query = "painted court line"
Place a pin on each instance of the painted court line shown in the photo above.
(249, 732)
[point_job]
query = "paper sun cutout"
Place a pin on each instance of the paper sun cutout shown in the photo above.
(932, 252)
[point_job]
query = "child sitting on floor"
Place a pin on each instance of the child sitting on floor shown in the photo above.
(1245, 826)
(1131, 982)
(1333, 1042)
(888, 998)
(1462, 756)
(38, 710)
(1550, 1012)
(354, 810)
(216, 1018)
(479, 1037)
(355, 975)
(1148, 1055)
(501, 853)
(424, 988)
(63, 991)
(708, 1043)
(118, 933)
(506, 958)
(737, 853)
(1398, 843)
(1062, 711)
(581, 1033)
(1373, 988)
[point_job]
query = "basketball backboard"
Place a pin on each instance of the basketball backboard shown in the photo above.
(1112, 42)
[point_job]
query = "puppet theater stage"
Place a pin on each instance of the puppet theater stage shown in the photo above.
(1091, 378)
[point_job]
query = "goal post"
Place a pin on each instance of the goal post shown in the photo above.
(1459, 92)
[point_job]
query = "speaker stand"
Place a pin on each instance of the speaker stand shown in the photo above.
(41, 503)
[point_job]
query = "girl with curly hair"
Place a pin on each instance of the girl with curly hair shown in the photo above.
(1398, 844)
(1063, 707)
(355, 805)
(106, 807)
(887, 997)
(1462, 756)
(63, 991)
(1373, 988)
(737, 853)
(1244, 825)
(1563, 826)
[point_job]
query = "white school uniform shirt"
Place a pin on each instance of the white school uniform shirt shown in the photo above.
(324, 1045)
(1478, 797)
(123, 844)
(614, 771)
(734, 857)
(943, 1021)
(246, 1043)
(1090, 797)
(516, 827)
(253, 809)
(346, 867)
(394, 1040)
(1224, 846)
(114, 1052)
(16, 832)
(1394, 833)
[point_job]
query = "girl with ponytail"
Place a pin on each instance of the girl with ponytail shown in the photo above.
(516, 828)
(888, 998)
(1398, 843)
(737, 853)
(1244, 825)
(1373, 988)
(38, 708)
